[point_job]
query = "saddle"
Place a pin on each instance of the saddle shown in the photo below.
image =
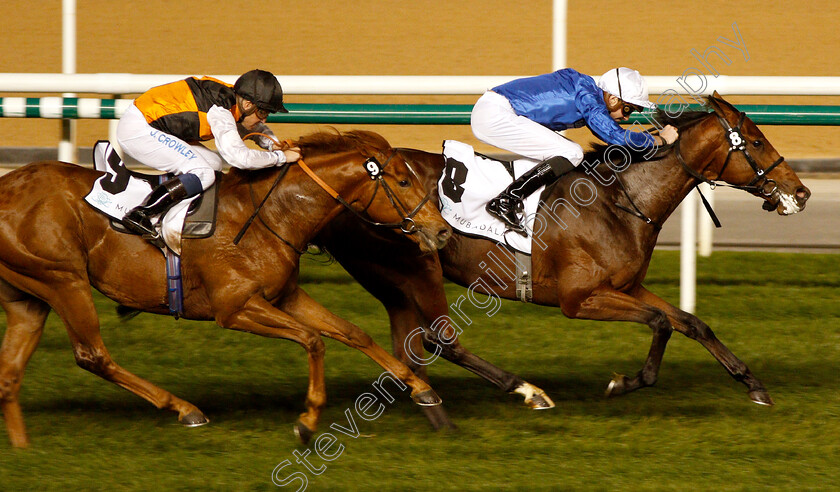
(121, 189)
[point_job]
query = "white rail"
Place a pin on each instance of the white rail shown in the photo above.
(688, 85)
(125, 83)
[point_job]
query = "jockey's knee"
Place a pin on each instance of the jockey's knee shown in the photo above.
(575, 156)
(192, 184)
(199, 179)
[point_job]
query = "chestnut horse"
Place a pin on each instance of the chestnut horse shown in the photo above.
(589, 259)
(54, 247)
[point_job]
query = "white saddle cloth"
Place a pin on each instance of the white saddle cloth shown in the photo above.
(115, 196)
(469, 181)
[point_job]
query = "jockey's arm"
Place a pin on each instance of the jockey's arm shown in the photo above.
(598, 120)
(232, 148)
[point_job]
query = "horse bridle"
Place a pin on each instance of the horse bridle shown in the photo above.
(737, 143)
(375, 171)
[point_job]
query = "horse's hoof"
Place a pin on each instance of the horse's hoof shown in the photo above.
(535, 398)
(303, 432)
(426, 398)
(194, 419)
(617, 386)
(761, 397)
(540, 401)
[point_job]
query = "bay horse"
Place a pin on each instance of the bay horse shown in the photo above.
(589, 260)
(54, 247)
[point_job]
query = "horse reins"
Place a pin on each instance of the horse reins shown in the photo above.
(375, 171)
(737, 144)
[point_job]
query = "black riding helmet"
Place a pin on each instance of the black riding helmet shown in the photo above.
(261, 88)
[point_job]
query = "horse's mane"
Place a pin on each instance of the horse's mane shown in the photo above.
(681, 121)
(365, 142)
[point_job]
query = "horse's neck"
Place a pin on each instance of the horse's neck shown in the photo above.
(430, 168)
(299, 207)
(319, 207)
(666, 181)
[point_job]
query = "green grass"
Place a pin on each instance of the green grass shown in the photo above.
(695, 430)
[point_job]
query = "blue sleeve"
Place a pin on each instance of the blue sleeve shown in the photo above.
(604, 127)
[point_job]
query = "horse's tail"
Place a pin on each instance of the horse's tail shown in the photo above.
(125, 313)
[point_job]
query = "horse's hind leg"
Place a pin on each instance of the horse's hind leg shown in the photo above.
(444, 341)
(25, 318)
(612, 305)
(410, 352)
(413, 294)
(79, 314)
(692, 327)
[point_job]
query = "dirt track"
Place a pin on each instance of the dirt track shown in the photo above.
(384, 37)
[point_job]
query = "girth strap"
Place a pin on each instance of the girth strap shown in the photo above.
(524, 286)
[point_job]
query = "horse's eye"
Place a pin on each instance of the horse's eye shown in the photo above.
(405, 183)
(757, 144)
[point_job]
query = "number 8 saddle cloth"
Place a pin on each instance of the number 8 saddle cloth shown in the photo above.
(469, 181)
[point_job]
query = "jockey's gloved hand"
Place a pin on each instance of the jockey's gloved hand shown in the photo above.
(292, 154)
(669, 134)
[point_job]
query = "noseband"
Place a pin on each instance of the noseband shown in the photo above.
(737, 143)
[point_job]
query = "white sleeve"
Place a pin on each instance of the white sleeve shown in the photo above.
(231, 146)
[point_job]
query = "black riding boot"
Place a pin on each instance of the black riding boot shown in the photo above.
(159, 201)
(508, 205)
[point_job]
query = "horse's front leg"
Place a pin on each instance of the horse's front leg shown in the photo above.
(611, 305)
(301, 306)
(258, 316)
(692, 327)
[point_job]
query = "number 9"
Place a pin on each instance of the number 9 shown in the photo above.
(372, 168)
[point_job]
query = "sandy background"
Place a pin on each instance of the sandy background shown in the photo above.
(422, 37)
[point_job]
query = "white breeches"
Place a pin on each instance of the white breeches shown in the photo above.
(494, 122)
(165, 152)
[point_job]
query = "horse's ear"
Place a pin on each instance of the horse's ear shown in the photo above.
(719, 104)
(715, 102)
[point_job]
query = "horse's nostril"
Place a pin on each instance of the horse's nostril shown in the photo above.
(444, 234)
(802, 194)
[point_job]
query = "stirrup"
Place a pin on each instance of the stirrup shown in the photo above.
(518, 228)
(140, 229)
(494, 207)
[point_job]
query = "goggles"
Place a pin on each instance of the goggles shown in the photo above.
(628, 108)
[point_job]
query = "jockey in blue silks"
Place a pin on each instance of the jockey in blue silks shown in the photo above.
(525, 116)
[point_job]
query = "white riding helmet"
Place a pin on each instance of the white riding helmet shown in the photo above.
(628, 85)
